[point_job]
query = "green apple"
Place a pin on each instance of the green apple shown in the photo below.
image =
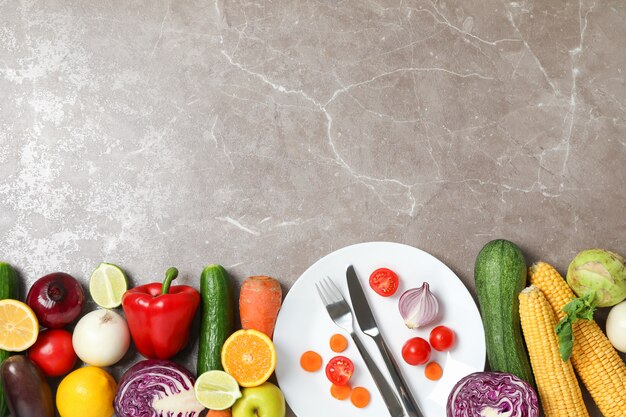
(266, 400)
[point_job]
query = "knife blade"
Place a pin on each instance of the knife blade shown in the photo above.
(367, 322)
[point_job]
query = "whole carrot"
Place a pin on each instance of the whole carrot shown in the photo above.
(259, 301)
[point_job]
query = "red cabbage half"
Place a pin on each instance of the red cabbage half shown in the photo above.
(157, 388)
(492, 394)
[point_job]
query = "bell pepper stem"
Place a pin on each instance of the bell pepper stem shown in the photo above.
(170, 275)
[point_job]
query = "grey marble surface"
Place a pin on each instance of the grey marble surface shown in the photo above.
(264, 135)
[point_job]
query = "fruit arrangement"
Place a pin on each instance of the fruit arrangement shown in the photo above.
(233, 366)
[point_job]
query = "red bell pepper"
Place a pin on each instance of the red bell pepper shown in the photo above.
(159, 316)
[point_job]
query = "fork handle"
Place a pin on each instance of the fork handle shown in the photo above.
(408, 401)
(389, 396)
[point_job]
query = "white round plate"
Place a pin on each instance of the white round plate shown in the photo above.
(303, 324)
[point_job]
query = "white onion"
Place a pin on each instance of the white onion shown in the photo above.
(418, 307)
(101, 338)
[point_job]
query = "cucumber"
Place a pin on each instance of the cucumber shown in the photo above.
(500, 275)
(217, 317)
(8, 289)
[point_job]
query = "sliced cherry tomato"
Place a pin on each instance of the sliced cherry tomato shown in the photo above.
(416, 351)
(384, 281)
(442, 338)
(339, 370)
(53, 352)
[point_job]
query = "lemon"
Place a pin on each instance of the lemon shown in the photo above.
(216, 390)
(18, 326)
(107, 285)
(87, 391)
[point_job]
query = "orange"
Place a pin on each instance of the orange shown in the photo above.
(249, 356)
(18, 326)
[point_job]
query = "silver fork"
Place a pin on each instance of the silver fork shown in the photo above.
(340, 312)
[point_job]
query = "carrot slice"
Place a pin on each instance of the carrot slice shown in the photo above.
(338, 343)
(433, 371)
(340, 392)
(360, 397)
(310, 361)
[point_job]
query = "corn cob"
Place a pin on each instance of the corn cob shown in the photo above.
(598, 365)
(557, 385)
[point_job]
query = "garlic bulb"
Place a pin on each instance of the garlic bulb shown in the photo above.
(418, 306)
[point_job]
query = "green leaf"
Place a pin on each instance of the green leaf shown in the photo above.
(578, 308)
(566, 338)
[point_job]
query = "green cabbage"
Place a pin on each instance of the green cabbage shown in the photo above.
(598, 272)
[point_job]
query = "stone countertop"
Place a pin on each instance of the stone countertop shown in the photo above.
(264, 135)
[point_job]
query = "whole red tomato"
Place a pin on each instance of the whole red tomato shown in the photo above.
(442, 338)
(416, 351)
(53, 352)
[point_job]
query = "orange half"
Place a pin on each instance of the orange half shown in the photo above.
(249, 356)
(18, 326)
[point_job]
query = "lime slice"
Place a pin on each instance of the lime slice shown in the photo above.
(216, 390)
(107, 285)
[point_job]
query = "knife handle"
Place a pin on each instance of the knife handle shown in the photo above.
(408, 402)
(389, 396)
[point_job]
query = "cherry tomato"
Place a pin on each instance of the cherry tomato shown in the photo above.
(416, 351)
(339, 370)
(53, 352)
(384, 281)
(442, 338)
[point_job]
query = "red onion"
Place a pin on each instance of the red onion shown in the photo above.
(418, 307)
(57, 299)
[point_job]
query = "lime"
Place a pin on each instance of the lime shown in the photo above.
(216, 390)
(107, 285)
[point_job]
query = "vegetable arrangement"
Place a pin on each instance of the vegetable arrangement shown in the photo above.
(596, 362)
(556, 326)
(531, 334)
(159, 318)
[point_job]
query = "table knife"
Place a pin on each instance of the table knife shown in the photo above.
(367, 323)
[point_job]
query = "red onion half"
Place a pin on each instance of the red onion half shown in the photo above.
(418, 307)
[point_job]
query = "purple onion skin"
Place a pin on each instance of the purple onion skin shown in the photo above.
(57, 299)
(498, 390)
(149, 380)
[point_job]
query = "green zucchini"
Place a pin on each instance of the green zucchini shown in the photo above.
(217, 317)
(9, 288)
(500, 275)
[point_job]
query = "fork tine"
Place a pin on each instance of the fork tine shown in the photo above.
(321, 293)
(327, 293)
(333, 289)
(330, 290)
